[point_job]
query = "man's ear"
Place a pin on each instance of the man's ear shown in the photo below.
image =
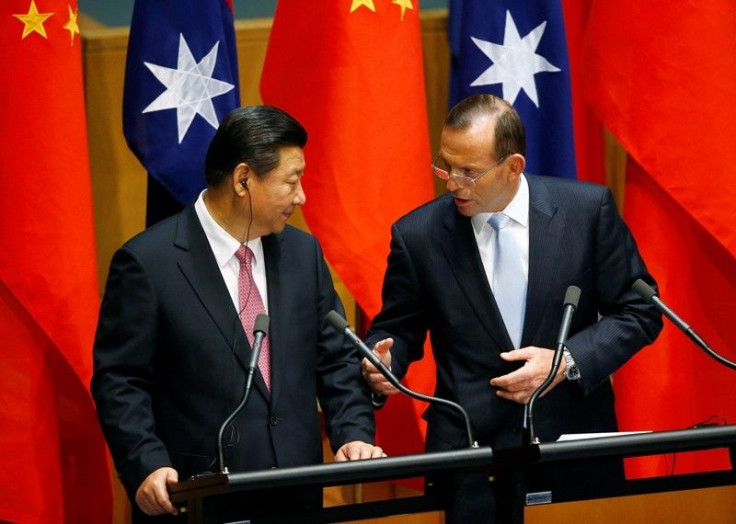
(517, 162)
(241, 175)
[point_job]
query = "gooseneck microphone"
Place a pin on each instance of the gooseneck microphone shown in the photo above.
(572, 297)
(340, 324)
(260, 329)
(646, 292)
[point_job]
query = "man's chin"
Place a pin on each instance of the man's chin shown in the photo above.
(279, 227)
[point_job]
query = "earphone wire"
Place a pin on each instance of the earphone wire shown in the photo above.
(235, 437)
(242, 304)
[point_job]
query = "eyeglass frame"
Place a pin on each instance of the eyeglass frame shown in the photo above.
(463, 180)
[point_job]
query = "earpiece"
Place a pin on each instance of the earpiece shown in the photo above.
(244, 183)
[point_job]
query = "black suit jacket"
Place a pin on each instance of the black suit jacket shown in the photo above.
(170, 356)
(435, 282)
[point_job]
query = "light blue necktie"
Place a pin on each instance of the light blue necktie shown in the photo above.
(509, 282)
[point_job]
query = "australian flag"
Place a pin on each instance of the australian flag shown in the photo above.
(181, 79)
(516, 49)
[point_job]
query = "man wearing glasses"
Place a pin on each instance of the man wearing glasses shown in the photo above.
(484, 269)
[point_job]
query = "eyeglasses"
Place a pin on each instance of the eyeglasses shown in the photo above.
(442, 170)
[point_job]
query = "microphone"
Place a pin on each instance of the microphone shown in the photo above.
(260, 329)
(572, 297)
(646, 292)
(340, 324)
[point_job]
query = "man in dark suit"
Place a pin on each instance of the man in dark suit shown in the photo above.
(440, 279)
(172, 347)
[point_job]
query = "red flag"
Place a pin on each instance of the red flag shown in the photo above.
(675, 385)
(587, 128)
(51, 447)
(663, 79)
(352, 73)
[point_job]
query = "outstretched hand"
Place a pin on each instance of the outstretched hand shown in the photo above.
(378, 383)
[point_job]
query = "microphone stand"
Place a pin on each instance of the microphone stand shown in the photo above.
(646, 292)
(340, 324)
(260, 329)
(572, 297)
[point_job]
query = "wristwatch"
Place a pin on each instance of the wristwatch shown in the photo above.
(571, 370)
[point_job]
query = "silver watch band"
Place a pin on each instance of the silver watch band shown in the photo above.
(572, 372)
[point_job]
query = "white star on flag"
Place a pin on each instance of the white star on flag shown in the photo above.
(190, 88)
(515, 62)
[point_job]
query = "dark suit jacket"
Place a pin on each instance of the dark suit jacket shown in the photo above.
(170, 357)
(435, 281)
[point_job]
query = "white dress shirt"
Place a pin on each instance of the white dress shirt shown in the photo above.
(224, 247)
(518, 211)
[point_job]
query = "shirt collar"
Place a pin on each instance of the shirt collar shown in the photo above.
(222, 243)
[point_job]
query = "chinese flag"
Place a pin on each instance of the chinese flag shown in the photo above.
(587, 128)
(662, 76)
(51, 449)
(351, 71)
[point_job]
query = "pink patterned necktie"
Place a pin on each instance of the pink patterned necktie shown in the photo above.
(250, 306)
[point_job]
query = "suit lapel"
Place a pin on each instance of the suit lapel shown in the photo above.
(200, 269)
(463, 259)
(272, 256)
(546, 231)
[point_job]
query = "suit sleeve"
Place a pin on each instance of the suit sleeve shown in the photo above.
(123, 376)
(343, 394)
(627, 323)
(403, 315)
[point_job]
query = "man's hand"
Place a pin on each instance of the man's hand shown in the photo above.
(358, 450)
(153, 496)
(378, 383)
(519, 385)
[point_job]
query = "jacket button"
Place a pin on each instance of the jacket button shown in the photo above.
(273, 420)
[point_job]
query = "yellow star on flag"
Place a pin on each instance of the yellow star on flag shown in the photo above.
(33, 21)
(404, 4)
(363, 3)
(72, 26)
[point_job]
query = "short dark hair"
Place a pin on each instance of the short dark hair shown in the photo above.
(509, 130)
(254, 135)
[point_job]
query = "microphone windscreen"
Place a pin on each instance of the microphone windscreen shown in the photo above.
(336, 321)
(572, 296)
(261, 323)
(644, 290)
